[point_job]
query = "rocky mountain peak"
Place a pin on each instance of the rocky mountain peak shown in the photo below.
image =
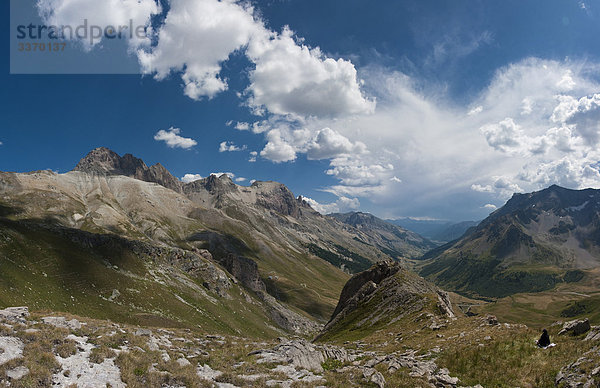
(104, 161)
(276, 196)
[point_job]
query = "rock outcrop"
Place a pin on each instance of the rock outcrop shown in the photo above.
(385, 293)
(576, 327)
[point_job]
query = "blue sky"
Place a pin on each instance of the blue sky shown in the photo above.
(424, 109)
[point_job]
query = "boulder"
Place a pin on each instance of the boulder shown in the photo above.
(576, 327)
(17, 373)
(15, 314)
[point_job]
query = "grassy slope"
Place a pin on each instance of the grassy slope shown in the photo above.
(44, 270)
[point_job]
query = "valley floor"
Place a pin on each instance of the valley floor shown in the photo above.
(47, 349)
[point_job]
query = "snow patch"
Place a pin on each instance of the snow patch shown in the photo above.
(578, 208)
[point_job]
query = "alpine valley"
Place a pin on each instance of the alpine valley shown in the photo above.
(119, 274)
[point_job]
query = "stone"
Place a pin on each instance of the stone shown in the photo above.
(15, 314)
(10, 349)
(183, 362)
(62, 322)
(143, 333)
(373, 376)
(576, 327)
(17, 373)
(207, 373)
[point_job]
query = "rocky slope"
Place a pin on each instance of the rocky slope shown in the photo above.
(397, 242)
(383, 295)
(532, 243)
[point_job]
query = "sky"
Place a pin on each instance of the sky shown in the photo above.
(430, 110)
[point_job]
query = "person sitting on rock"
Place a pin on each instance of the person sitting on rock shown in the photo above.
(544, 340)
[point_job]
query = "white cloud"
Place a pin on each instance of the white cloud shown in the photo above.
(173, 140)
(396, 179)
(482, 189)
(240, 179)
(441, 152)
(196, 37)
(277, 149)
(242, 126)
(527, 107)
(290, 78)
(328, 144)
(188, 178)
(253, 155)
(227, 146)
(475, 111)
(342, 204)
(503, 136)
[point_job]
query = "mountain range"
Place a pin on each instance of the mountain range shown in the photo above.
(117, 239)
(531, 244)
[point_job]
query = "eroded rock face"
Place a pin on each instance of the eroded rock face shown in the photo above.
(594, 334)
(574, 375)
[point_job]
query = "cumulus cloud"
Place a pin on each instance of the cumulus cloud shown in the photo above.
(228, 146)
(196, 37)
(482, 189)
(277, 149)
(290, 78)
(173, 139)
(188, 178)
(328, 144)
(503, 136)
(343, 204)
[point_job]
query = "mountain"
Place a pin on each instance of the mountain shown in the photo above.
(435, 230)
(397, 242)
(117, 239)
(453, 231)
(531, 244)
(384, 294)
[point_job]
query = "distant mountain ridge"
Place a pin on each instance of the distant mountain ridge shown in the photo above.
(532, 243)
(392, 239)
(436, 230)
